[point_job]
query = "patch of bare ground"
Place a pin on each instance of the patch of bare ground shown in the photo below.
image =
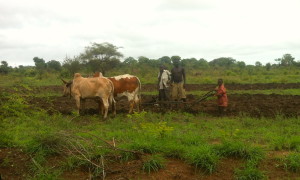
(274, 169)
(14, 164)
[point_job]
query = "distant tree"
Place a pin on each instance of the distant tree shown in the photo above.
(203, 63)
(4, 69)
(39, 63)
(175, 58)
(268, 66)
(143, 60)
(190, 63)
(40, 66)
(101, 57)
(223, 62)
(241, 64)
(72, 65)
(54, 65)
(258, 64)
(286, 60)
(130, 61)
(165, 60)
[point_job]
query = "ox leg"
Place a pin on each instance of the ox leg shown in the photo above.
(82, 106)
(137, 104)
(101, 107)
(113, 105)
(105, 105)
(131, 104)
(77, 99)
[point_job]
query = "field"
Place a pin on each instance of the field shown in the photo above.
(42, 137)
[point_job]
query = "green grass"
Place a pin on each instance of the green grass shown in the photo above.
(292, 162)
(249, 172)
(153, 163)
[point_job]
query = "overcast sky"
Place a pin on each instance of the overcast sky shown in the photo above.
(246, 30)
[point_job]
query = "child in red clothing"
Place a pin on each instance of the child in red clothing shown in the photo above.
(222, 97)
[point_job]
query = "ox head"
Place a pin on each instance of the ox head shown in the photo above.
(67, 88)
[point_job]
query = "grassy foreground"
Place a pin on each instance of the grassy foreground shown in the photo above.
(199, 140)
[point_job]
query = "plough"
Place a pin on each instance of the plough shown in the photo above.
(202, 98)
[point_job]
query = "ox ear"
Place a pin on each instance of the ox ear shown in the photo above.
(65, 82)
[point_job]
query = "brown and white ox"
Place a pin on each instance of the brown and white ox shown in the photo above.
(100, 89)
(126, 85)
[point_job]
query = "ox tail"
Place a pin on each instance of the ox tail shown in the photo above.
(139, 94)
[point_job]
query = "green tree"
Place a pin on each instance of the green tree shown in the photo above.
(165, 60)
(268, 66)
(72, 65)
(4, 68)
(40, 66)
(222, 62)
(286, 60)
(203, 63)
(258, 64)
(39, 63)
(130, 61)
(54, 65)
(175, 58)
(101, 57)
(143, 60)
(241, 64)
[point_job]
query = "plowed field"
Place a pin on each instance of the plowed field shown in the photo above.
(255, 105)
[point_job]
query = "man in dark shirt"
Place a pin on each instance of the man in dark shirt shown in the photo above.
(178, 80)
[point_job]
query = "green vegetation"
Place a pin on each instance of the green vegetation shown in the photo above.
(160, 136)
(292, 162)
(153, 163)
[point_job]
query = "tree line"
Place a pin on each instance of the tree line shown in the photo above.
(106, 58)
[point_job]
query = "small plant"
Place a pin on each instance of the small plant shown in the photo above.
(238, 149)
(159, 129)
(137, 116)
(203, 157)
(292, 162)
(5, 162)
(154, 163)
(249, 173)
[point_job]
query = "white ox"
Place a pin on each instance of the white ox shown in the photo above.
(91, 88)
(126, 85)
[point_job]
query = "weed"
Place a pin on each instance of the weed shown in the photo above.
(292, 162)
(249, 173)
(286, 143)
(239, 149)
(5, 162)
(203, 157)
(153, 163)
